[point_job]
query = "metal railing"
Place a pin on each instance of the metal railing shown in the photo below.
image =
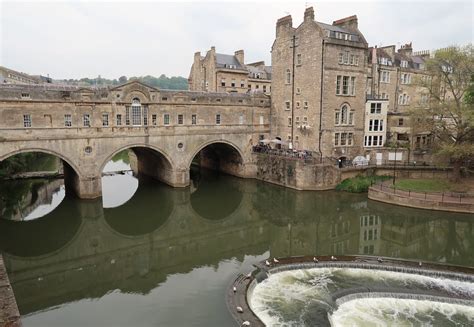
(442, 197)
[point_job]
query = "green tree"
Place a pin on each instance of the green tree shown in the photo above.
(450, 114)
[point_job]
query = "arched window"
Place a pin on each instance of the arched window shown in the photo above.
(344, 116)
(136, 112)
(288, 76)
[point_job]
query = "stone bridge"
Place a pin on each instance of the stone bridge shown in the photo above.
(166, 129)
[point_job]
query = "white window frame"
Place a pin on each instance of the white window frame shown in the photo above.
(67, 120)
(27, 121)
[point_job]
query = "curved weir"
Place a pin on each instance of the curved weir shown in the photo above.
(340, 292)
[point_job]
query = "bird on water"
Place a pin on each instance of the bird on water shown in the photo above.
(333, 258)
(315, 259)
(245, 323)
(240, 310)
(275, 260)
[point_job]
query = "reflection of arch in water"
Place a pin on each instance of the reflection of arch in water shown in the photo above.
(148, 210)
(216, 196)
(40, 237)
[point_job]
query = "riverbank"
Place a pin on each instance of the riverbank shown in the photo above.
(442, 201)
(9, 314)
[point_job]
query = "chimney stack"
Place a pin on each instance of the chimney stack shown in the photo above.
(309, 14)
(239, 54)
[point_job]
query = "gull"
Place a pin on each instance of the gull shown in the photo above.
(267, 263)
(249, 275)
(379, 260)
(275, 260)
(333, 258)
(315, 259)
(234, 289)
(240, 310)
(245, 323)
(419, 264)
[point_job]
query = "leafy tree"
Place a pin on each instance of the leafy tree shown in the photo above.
(122, 79)
(450, 115)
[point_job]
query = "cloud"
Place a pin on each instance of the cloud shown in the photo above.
(79, 39)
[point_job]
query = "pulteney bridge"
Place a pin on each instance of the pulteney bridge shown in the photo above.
(166, 129)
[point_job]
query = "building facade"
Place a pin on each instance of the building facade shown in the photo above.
(318, 85)
(217, 72)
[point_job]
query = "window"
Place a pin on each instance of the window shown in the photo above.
(400, 122)
(145, 115)
(341, 58)
(218, 119)
(298, 59)
(405, 78)
(346, 58)
(385, 77)
(305, 121)
(403, 99)
(105, 119)
(232, 83)
(337, 118)
(264, 88)
(345, 85)
(384, 61)
(68, 120)
(343, 138)
(193, 119)
(261, 120)
(298, 104)
(287, 105)
(376, 108)
(344, 114)
(241, 119)
(180, 119)
(297, 120)
(336, 139)
(119, 119)
(166, 119)
(305, 105)
(223, 82)
(349, 138)
(26, 120)
(289, 122)
(351, 118)
(25, 95)
(288, 76)
(404, 64)
(153, 119)
(298, 90)
(127, 116)
(242, 83)
(136, 112)
(87, 120)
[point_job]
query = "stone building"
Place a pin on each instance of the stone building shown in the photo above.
(319, 74)
(217, 72)
(10, 76)
(396, 76)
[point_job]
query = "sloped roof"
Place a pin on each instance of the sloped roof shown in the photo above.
(333, 28)
(224, 60)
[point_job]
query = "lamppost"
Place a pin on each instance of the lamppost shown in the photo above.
(395, 164)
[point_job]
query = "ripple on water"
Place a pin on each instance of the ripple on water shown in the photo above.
(304, 296)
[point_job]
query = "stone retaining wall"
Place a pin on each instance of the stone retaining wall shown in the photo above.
(9, 314)
(377, 194)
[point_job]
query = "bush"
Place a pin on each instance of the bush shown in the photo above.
(359, 184)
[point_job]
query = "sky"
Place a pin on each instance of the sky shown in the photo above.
(75, 39)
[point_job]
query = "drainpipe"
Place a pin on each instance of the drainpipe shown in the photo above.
(293, 93)
(321, 104)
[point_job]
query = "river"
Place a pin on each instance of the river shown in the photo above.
(150, 255)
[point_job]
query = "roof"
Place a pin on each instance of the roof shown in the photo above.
(333, 28)
(225, 60)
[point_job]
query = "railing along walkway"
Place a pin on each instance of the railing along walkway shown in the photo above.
(441, 197)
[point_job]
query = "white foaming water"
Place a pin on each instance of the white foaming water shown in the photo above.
(401, 312)
(303, 297)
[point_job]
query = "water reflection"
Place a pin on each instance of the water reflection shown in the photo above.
(29, 199)
(208, 184)
(183, 252)
(119, 187)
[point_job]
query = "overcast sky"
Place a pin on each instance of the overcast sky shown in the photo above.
(85, 39)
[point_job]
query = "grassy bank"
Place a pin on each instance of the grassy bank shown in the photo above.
(359, 184)
(432, 185)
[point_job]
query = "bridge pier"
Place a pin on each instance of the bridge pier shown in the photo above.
(89, 187)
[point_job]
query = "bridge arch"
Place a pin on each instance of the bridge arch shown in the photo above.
(63, 157)
(219, 154)
(148, 160)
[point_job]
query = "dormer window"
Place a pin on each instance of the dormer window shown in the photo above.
(404, 64)
(384, 61)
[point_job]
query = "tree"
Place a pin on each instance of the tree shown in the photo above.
(450, 114)
(123, 79)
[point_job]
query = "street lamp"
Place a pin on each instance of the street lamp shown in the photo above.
(395, 164)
